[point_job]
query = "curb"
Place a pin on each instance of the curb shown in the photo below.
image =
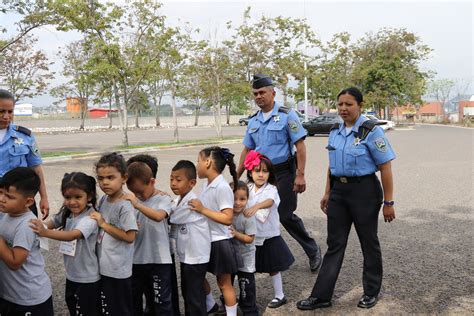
(97, 154)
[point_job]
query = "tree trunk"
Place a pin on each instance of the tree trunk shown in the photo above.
(137, 114)
(175, 118)
(196, 112)
(122, 109)
(110, 111)
(83, 112)
(227, 113)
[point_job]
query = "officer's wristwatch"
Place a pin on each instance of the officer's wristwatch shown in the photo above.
(389, 203)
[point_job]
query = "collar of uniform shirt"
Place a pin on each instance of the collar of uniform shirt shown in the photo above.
(355, 127)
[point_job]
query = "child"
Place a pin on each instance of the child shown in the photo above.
(216, 202)
(193, 239)
(78, 240)
(152, 265)
(244, 229)
(118, 228)
(272, 254)
(25, 287)
(152, 162)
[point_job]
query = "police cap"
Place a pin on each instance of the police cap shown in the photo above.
(260, 81)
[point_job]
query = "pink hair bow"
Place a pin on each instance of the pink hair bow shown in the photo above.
(252, 160)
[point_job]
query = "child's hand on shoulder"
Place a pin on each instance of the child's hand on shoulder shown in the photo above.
(97, 217)
(196, 205)
(132, 198)
(250, 211)
(38, 227)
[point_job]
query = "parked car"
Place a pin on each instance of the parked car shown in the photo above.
(244, 120)
(385, 124)
(321, 124)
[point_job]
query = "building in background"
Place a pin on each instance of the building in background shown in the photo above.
(24, 109)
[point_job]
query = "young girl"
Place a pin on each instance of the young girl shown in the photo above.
(272, 254)
(78, 235)
(244, 229)
(216, 202)
(118, 228)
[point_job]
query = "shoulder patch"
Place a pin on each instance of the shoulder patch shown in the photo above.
(23, 130)
(335, 126)
(284, 109)
(380, 144)
(293, 125)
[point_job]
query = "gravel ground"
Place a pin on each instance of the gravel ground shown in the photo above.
(427, 250)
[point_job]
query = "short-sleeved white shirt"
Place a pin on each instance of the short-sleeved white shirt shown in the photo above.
(217, 196)
(193, 241)
(271, 227)
(116, 256)
(152, 243)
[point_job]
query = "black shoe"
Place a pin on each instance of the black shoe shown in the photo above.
(315, 261)
(214, 309)
(367, 301)
(312, 303)
(277, 302)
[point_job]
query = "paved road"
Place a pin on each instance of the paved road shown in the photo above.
(427, 250)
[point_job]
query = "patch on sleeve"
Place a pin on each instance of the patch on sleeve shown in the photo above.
(293, 125)
(380, 144)
(35, 149)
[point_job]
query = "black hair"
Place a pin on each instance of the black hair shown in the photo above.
(271, 177)
(188, 167)
(151, 161)
(353, 91)
(139, 170)
(81, 181)
(115, 160)
(4, 94)
(221, 158)
(241, 185)
(24, 179)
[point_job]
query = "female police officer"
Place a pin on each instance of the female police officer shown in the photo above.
(357, 149)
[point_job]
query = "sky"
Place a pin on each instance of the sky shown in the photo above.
(445, 26)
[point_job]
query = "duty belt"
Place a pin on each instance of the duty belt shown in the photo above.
(351, 179)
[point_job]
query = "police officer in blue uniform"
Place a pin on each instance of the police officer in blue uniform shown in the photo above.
(275, 131)
(357, 149)
(18, 148)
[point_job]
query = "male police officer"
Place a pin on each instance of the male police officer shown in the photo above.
(274, 131)
(18, 148)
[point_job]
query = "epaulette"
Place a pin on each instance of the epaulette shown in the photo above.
(366, 127)
(23, 130)
(253, 115)
(284, 109)
(335, 126)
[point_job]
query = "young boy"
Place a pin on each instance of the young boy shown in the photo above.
(193, 240)
(152, 264)
(25, 287)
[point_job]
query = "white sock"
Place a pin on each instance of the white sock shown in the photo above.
(210, 302)
(231, 310)
(278, 286)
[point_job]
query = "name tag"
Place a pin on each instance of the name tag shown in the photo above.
(68, 248)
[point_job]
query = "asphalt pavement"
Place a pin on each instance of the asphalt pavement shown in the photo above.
(427, 250)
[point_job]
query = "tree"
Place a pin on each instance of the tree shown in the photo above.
(441, 90)
(33, 14)
(122, 38)
(76, 62)
(24, 70)
(386, 67)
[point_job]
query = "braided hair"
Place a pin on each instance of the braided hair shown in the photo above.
(221, 157)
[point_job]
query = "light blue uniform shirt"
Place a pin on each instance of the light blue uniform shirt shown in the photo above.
(350, 158)
(276, 136)
(17, 150)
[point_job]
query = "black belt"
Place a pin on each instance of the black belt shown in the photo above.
(351, 179)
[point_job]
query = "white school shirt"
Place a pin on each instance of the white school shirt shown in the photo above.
(217, 196)
(193, 241)
(271, 227)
